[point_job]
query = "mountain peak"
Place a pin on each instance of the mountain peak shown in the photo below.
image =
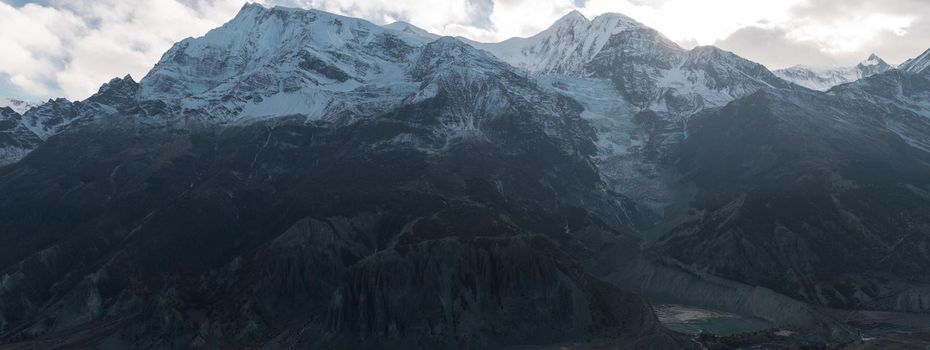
(408, 28)
(573, 16)
(873, 60)
(918, 65)
(825, 78)
(566, 46)
(615, 16)
(117, 91)
(250, 8)
(251, 5)
(19, 106)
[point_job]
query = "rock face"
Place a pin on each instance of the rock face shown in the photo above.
(441, 214)
(822, 79)
(897, 87)
(520, 288)
(24, 132)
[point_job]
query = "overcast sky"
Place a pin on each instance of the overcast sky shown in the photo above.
(68, 48)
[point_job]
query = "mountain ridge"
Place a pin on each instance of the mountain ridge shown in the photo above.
(822, 79)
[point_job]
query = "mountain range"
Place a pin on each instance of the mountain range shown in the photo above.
(822, 79)
(300, 179)
(18, 106)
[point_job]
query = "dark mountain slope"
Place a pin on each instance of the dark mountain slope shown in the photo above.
(815, 196)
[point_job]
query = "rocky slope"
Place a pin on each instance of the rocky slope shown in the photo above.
(822, 79)
(771, 179)
(820, 197)
(16, 140)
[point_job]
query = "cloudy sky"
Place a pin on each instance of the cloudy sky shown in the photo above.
(51, 48)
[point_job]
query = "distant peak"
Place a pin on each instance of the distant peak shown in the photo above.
(606, 23)
(399, 24)
(254, 9)
(873, 60)
(614, 16)
(406, 27)
(250, 10)
(128, 78)
(574, 15)
(251, 6)
(448, 41)
(917, 65)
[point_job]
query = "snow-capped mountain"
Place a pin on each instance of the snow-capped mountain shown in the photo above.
(918, 65)
(566, 47)
(872, 66)
(280, 61)
(896, 88)
(638, 89)
(317, 66)
(649, 70)
(39, 123)
(56, 116)
(411, 29)
(18, 106)
(822, 79)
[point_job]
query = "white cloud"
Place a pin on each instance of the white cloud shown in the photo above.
(837, 32)
(129, 37)
(32, 44)
(70, 47)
